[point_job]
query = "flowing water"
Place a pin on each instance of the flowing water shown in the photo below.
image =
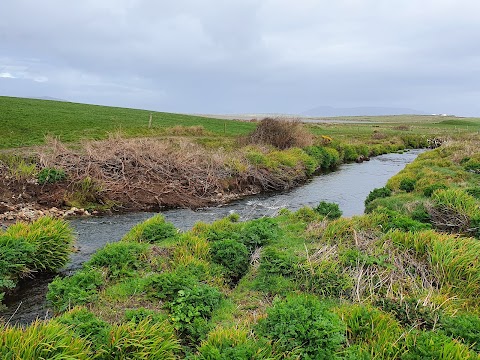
(348, 186)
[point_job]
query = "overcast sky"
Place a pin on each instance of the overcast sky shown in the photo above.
(245, 56)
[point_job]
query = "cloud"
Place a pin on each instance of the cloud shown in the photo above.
(247, 56)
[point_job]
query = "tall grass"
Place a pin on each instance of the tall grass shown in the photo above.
(41, 340)
(51, 238)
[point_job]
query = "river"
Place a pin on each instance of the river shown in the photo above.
(348, 186)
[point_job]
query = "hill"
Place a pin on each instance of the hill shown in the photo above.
(26, 122)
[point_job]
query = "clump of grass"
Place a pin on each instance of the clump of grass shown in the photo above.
(153, 230)
(42, 340)
(373, 331)
(233, 343)
(51, 238)
(145, 340)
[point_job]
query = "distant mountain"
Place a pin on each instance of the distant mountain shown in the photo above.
(48, 98)
(360, 111)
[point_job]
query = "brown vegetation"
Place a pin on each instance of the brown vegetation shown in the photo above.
(281, 133)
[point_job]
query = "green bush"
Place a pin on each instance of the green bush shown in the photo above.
(330, 210)
(465, 327)
(278, 262)
(140, 314)
(259, 232)
(304, 324)
(166, 285)
(396, 220)
(378, 193)
(407, 184)
(79, 289)
(50, 175)
(190, 310)
(430, 189)
(349, 153)
(42, 340)
(86, 325)
(120, 259)
(233, 256)
(153, 230)
(326, 157)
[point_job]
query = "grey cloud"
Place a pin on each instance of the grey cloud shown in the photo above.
(245, 56)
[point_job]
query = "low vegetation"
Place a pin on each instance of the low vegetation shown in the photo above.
(399, 282)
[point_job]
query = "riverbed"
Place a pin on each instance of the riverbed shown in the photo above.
(348, 186)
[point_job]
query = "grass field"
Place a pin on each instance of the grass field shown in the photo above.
(25, 122)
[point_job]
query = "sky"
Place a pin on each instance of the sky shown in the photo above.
(244, 56)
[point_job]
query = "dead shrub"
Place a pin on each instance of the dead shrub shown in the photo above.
(281, 133)
(377, 135)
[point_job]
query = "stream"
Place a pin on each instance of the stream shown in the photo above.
(348, 186)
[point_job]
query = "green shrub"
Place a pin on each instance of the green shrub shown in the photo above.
(326, 157)
(396, 220)
(410, 312)
(378, 193)
(79, 289)
(51, 238)
(120, 259)
(305, 324)
(166, 285)
(349, 153)
(86, 325)
(233, 256)
(153, 230)
(190, 310)
(42, 340)
(407, 184)
(50, 175)
(430, 189)
(433, 345)
(415, 141)
(330, 210)
(465, 327)
(259, 232)
(278, 262)
(140, 314)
